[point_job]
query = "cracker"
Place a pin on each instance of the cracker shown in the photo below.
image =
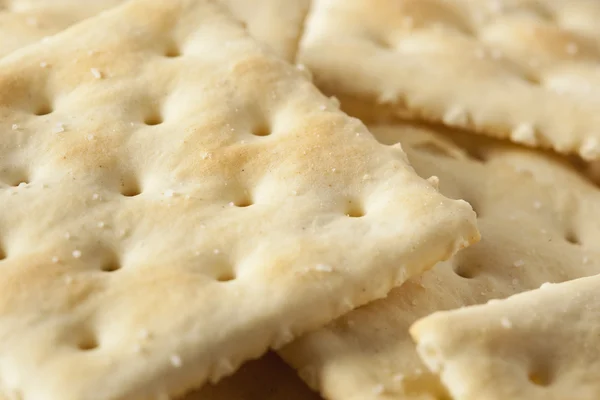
(273, 22)
(27, 21)
(538, 220)
(267, 378)
(23, 22)
(523, 70)
(542, 344)
(176, 200)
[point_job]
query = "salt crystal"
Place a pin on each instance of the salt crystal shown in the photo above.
(67, 235)
(537, 205)
(323, 268)
(585, 259)
(59, 128)
(101, 224)
(144, 334)
(378, 389)
(32, 21)
(76, 253)
(176, 361)
(15, 127)
(44, 64)
(97, 74)
(169, 193)
(519, 263)
(55, 259)
(505, 322)
(216, 251)
(454, 116)
(95, 196)
(524, 133)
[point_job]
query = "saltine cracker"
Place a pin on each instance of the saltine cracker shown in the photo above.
(536, 216)
(538, 345)
(524, 70)
(176, 200)
(22, 22)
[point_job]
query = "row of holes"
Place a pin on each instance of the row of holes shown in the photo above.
(132, 190)
(466, 273)
(157, 119)
(153, 119)
(114, 265)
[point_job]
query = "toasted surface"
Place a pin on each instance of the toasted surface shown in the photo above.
(526, 70)
(176, 200)
(267, 378)
(27, 21)
(22, 22)
(543, 344)
(538, 221)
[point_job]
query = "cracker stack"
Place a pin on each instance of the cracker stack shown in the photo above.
(185, 187)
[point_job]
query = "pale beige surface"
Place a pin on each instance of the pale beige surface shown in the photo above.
(176, 200)
(273, 22)
(27, 21)
(277, 23)
(520, 69)
(543, 344)
(538, 220)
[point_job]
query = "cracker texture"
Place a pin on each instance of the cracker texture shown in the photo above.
(272, 22)
(175, 200)
(542, 344)
(538, 220)
(524, 70)
(23, 22)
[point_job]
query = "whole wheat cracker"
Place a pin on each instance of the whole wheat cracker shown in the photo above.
(23, 22)
(543, 344)
(538, 220)
(176, 200)
(267, 378)
(526, 70)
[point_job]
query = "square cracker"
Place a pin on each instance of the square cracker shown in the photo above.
(275, 23)
(538, 220)
(176, 200)
(538, 345)
(526, 70)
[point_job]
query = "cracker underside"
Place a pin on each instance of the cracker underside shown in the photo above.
(542, 344)
(176, 200)
(537, 220)
(267, 378)
(523, 70)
